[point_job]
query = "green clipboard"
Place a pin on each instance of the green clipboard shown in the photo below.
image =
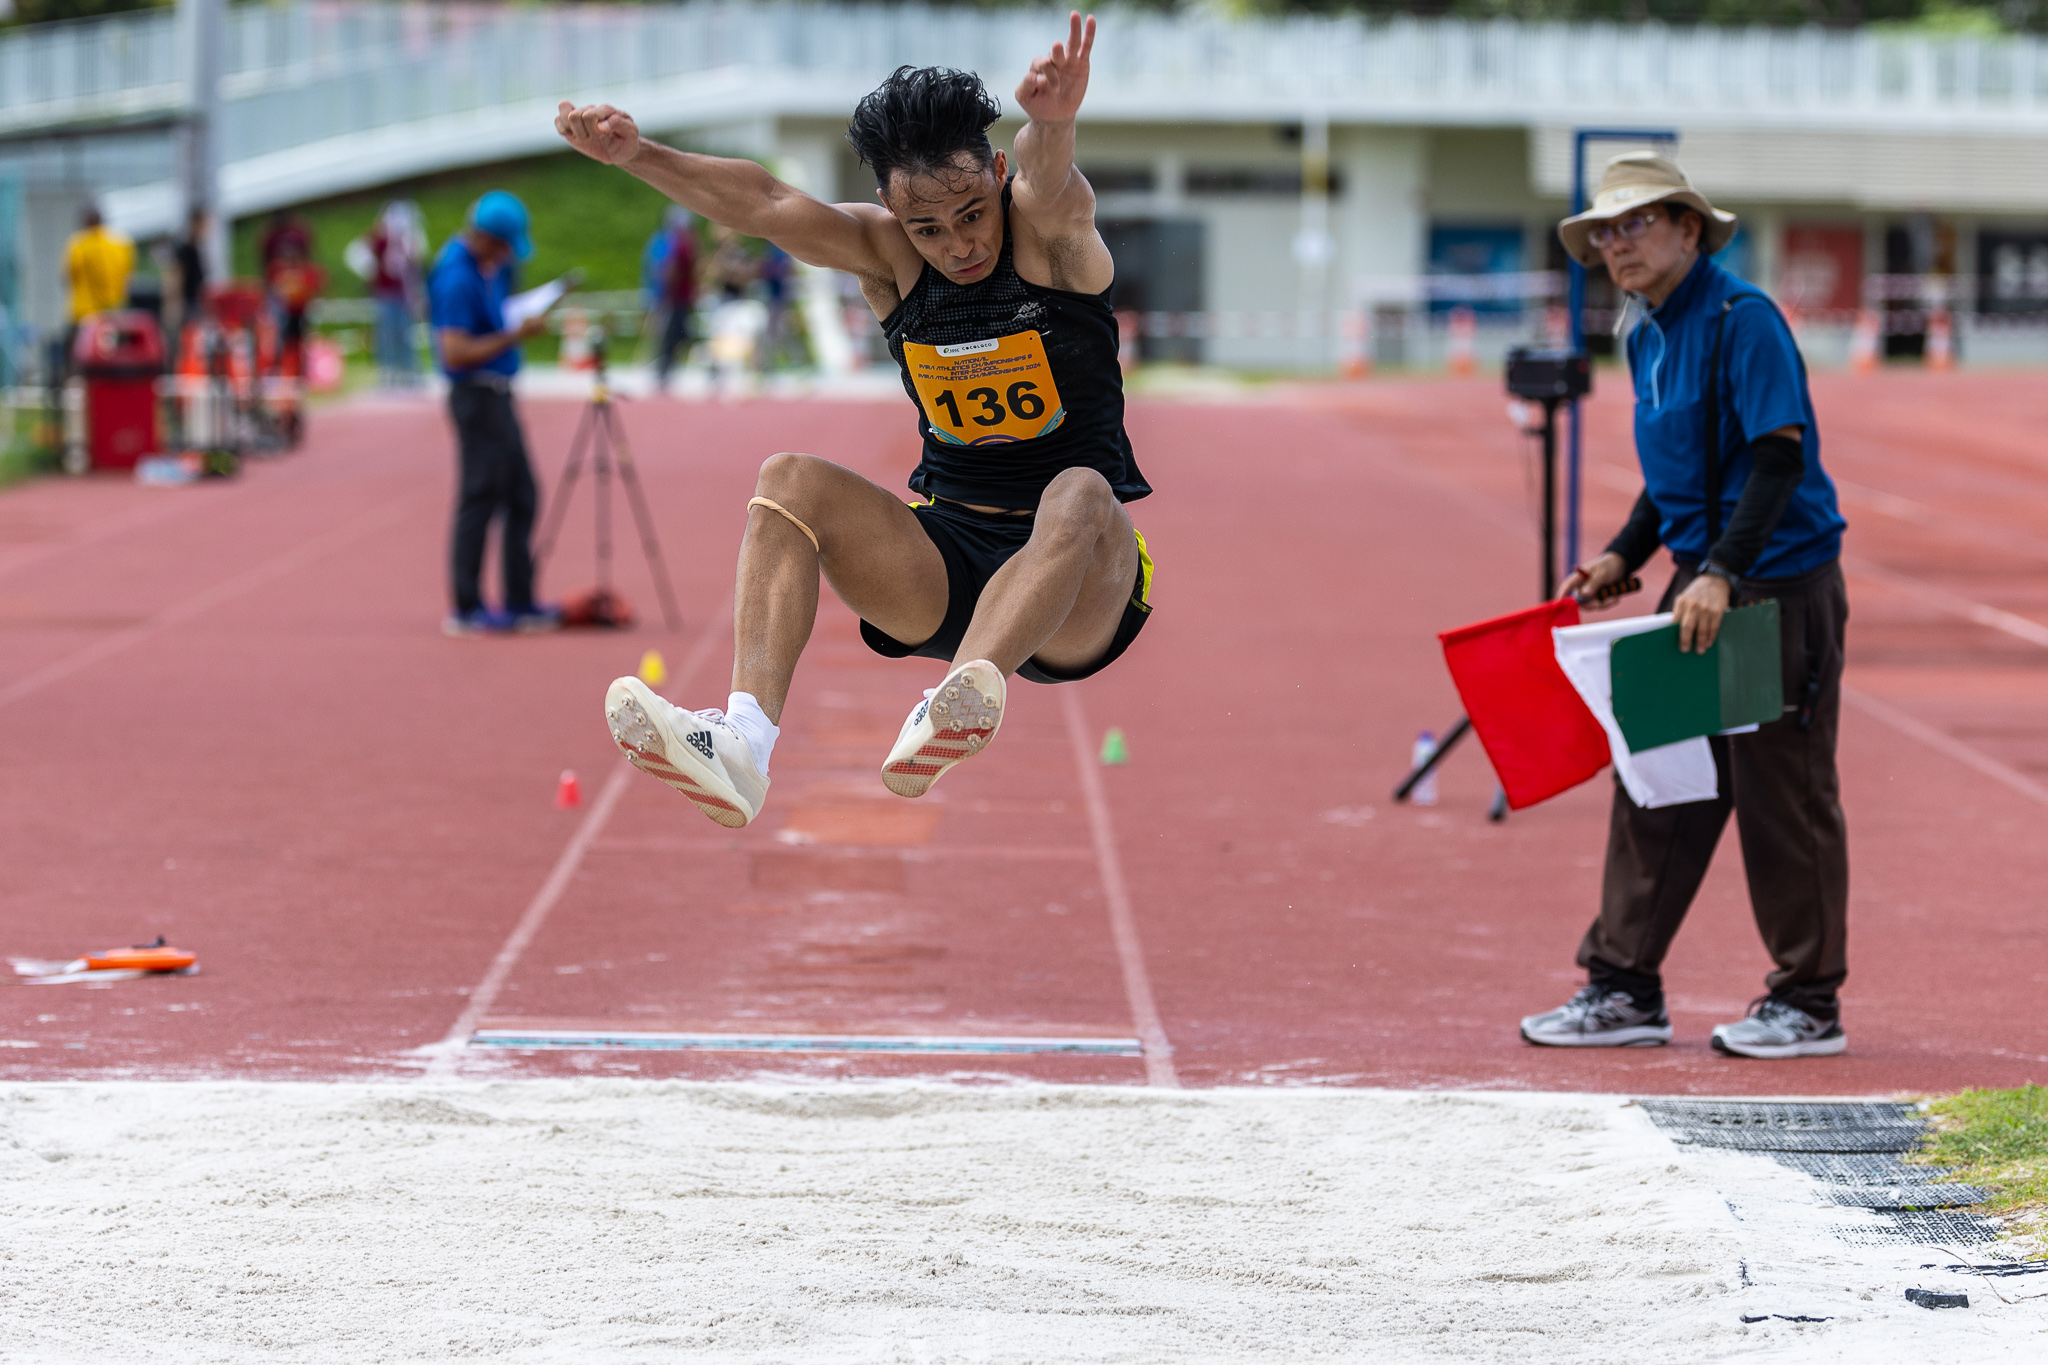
(1662, 696)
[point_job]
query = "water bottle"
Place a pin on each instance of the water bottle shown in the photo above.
(1424, 793)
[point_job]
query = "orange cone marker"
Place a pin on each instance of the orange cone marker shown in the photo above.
(1941, 342)
(1865, 341)
(568, 795)
(1462, 333)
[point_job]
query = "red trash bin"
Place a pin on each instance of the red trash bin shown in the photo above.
(120, 354)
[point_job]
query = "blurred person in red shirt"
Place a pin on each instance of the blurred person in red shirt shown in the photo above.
(395, 252)
(283, 233)
(672, 257)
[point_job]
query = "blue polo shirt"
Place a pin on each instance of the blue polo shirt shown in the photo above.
(461, 296)
(1763, 388)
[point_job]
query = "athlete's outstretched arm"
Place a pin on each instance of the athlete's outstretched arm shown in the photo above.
(743, 196)
(1051, 195)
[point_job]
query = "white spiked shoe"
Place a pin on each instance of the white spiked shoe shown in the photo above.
(696, 752)
(956, 720)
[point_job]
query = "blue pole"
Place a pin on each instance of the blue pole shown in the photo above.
(1577, 304)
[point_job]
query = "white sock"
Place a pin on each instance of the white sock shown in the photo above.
(750, 720)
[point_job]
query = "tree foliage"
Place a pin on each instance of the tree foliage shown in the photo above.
(16, 12)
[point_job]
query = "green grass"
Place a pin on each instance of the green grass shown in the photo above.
(1998, 1139)
(584, 214)
(20, 455)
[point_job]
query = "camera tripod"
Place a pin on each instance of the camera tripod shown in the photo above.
(599, 433)
(1552, 378)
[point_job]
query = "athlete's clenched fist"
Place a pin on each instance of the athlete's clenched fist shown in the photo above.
(599, 132)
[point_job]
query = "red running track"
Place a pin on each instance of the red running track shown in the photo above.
(227, 715)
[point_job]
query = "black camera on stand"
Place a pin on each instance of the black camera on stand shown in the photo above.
(1549, 374)
(1553, 377)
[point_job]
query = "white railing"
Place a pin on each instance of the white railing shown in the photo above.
(88, 71)
(318, 69)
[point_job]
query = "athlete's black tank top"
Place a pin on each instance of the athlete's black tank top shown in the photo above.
(1013, 382)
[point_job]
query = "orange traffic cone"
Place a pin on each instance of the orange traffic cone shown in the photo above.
(568, 795)
(1941, 342)
(1864, 342)
(1463, 334)
(1357, 362)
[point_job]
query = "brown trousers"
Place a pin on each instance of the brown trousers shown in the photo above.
(1782, 785)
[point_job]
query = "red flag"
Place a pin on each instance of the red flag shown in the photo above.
(1536, 729)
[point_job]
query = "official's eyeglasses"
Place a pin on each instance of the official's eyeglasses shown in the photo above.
(1627, 229)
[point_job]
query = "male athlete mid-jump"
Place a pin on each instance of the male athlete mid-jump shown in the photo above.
(993, 289)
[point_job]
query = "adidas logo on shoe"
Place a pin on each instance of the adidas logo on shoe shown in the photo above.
(696, 752)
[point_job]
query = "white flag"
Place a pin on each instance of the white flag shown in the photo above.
(1668, 775)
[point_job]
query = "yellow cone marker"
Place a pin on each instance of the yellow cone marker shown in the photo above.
(653, 671)
(1114, 751)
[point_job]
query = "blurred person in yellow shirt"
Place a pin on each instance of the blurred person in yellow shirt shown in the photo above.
(97, 263)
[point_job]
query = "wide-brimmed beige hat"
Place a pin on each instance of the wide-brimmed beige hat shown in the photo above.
(1630, 181)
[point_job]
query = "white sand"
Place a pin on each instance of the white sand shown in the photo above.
(633, 1221)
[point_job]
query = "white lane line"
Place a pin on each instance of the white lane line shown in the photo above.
(445, 1055)
(1123, 924)
(199, 603)
(1935, 519)
(167, 503)
(2033, 632)
(626, 1039)
(1948, 744)
(2012, 623)
(1861, 495)
(443, 1063)
(869, 852)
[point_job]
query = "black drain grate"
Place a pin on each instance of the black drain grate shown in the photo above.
(1923, 1228)
(1753, 1126)
(1862, 1168)
(1896, 1197)
(1853, 1149)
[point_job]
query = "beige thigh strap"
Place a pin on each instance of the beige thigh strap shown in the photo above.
(774, 506)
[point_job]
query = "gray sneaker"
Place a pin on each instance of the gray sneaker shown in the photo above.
(1776, 1029)
(1599, 1016)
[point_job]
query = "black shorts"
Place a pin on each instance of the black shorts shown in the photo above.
(976, 544)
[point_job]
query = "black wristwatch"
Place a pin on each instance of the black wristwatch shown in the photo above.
(1722, 572)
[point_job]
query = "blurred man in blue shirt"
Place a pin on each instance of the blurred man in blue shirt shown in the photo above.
(466, 294)
(1733, 486)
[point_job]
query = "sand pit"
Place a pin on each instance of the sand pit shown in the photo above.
(636, 1221)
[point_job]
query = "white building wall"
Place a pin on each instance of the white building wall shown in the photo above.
(1381, 216)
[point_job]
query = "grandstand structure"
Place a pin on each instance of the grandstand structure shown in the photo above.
(1398, 170)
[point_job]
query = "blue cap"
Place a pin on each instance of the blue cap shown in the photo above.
(502, 215)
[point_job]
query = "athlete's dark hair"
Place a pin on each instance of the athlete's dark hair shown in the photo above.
(920, 119)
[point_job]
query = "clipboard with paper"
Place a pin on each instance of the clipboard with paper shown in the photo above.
(532, 303)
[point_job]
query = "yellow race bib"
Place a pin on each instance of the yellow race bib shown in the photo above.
(982, 393)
